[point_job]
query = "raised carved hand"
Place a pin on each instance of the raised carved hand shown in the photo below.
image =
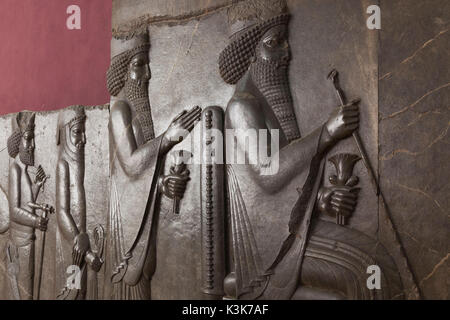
(180, 127)
(41, 177)
(343, 121)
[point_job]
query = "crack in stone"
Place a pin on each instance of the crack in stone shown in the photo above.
(436, 267)
(392, 154)
(129, 29)
(192, 38)
(419, 242)
(177, 58)
(404, 109)
(420, 115)
(426, 44)
(425, 194)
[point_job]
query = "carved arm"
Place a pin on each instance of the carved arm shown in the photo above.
(133, 159)
(292, 158)
(18, 214)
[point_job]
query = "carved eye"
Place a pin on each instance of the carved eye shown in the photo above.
(271, 42)
(28, 136)
(138, 63)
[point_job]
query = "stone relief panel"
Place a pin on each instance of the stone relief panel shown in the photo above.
(143, 215)
(96, 186)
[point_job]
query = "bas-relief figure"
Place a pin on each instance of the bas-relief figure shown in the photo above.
(283, 235)
(24, 219)
(304, 256)
(136, 157)
(73, 243)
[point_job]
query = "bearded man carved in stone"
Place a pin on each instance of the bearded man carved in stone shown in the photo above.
(23, 219)
(266, 242)
(72, 241)
(136, 157)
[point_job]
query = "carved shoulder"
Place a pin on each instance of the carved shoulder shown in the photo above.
(120, 111)
(14, 184)
(243, 112)
(14, 170)
(62, 169)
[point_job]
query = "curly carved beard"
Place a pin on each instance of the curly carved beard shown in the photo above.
(136, 93)
(26, 156)
(272, 80)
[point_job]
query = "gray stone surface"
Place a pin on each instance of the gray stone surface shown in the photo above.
(414, 91)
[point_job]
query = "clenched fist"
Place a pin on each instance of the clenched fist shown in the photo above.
(343, 121)
(337, 200)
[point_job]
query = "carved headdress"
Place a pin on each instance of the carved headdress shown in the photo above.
(248, 21)
(68, 118)
(122, 51)
(22, 123)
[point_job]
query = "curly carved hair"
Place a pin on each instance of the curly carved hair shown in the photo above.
(23, 122)
(116, 76)
(14, 143)
(234, 60)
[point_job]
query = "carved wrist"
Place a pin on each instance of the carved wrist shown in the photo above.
(166, 145)
(326, 140)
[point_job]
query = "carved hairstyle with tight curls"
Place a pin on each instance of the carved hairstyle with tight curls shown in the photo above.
(13, 143)
(116, 75)
(21, 124)
(235, 59)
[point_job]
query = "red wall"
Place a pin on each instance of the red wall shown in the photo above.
(45, 66)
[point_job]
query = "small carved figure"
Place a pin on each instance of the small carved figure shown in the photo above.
(22, 196)
(73, 244)
(136, 156)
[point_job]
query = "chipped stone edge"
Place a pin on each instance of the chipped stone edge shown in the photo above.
(48, 112)
(139, 25)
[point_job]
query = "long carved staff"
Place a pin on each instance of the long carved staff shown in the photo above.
(333, 76)
(46, 210)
